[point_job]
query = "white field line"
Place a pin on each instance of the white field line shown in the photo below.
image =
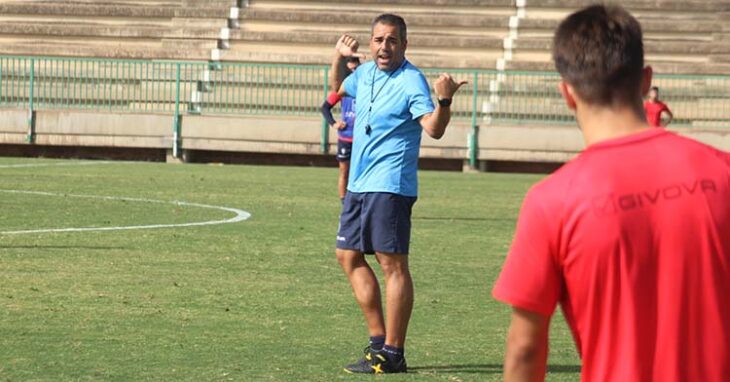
(240, 215)
(26, 165)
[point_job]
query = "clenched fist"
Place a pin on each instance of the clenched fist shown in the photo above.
(347, 47)
(446, 87)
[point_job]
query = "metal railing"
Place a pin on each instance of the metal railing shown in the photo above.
(178, 88)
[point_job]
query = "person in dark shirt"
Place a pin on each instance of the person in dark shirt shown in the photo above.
(344, 128)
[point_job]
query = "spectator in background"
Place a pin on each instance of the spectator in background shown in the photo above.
(654, 108)
(344, 127)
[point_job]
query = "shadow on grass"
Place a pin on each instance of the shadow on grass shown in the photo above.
(486, 369)
(468, 368)
(465, 219)
(563, 368)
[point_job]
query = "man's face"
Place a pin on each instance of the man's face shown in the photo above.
(386, 47)
(653, 94)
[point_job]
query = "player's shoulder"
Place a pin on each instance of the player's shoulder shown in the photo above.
(695, 145)
(549, 193)
(555, 183)
(413, 79)
(410, 70)
(708, 153)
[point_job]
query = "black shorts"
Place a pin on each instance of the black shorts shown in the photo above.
(375, 222)
(344, 149)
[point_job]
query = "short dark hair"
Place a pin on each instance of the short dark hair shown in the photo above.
(599, 51)
(393, 20)
(353, 59)
(654, 88)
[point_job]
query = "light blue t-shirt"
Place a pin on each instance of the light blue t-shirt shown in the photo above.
(385, 155)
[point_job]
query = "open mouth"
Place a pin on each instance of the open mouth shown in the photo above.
(384, 58)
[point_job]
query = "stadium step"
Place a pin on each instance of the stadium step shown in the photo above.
(651, 6)
(677, 25)
(651, 46)
(659, 67)
(680, 36)
(466, 34)
(403, 7)
(271, 52)
(94, 30)
(117, 9)
(140, 29)
(363, 31)
(325, 17)
(720, 58)
(115, 50)
(419, 40)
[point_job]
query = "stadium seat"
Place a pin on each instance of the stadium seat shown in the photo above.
(156, 29)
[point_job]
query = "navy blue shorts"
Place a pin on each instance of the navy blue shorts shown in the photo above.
(375, 222)
(344, 149)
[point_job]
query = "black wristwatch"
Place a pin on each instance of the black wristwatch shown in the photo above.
(444, 102)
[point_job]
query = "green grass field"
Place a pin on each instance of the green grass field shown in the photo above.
(258, 300)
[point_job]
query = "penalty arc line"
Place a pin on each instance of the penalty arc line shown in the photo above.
(241, 215)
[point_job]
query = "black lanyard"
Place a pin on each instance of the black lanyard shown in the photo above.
(374, 95)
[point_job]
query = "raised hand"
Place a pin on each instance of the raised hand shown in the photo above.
(347, 47)
(445, 86)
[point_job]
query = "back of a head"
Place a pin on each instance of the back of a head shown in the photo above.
(599, 52)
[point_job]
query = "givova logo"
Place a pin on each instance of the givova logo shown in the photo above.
(612, 204)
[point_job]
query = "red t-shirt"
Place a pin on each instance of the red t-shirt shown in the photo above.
(654, 111)
(632, 238)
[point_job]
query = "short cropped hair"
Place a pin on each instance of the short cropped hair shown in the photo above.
(599, 51)
(654, 88)
(392, 20)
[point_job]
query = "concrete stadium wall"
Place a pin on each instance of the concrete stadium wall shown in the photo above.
(291, 136)
(529, 143)
(719, 139)
(559, 144)
(13, 126)
(73, 128)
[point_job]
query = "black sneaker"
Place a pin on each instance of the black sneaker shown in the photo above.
(381, 364)
(363, 366)
(375, 362)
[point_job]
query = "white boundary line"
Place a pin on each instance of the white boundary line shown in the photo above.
(25, 165)
(241, 215)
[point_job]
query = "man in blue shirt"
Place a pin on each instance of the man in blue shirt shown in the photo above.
(393, 107)
(344, 128)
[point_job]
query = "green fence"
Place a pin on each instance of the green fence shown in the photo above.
(179, 88)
